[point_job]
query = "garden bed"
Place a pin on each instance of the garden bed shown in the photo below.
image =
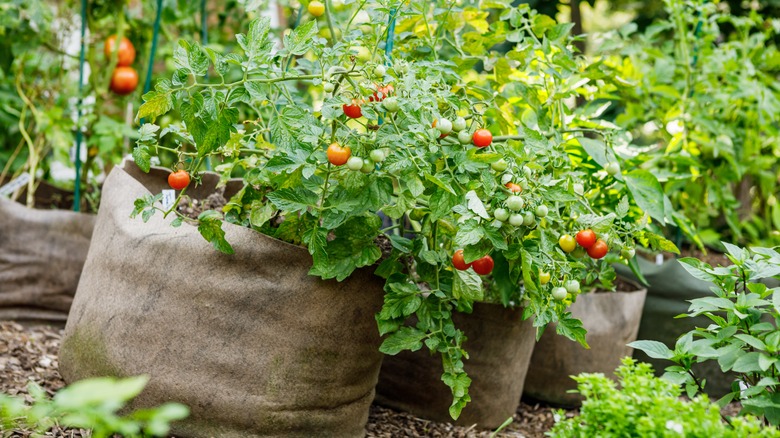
(31, 354)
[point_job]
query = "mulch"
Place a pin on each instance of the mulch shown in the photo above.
(29, 354)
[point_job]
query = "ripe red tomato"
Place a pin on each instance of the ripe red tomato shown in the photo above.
(125, 53)
(459, 262)
(598, 250)
(124, 80)
(586, 238)
(482, 138)
(381, 93)
(483, 266)
(337, 155)
(353, 110)
(514, 188)
(179, 180)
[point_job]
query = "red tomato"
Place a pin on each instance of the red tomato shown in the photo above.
(586, 238)
(514, 188)
(337, 155)
(125, 53)
(483, 266)
(482, 138)
(381, 93)
(353, 110)
(179, 179)
(459, 262)
(124, 80)
(598, 250)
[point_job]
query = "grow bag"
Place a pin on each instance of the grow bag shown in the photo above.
(671, 288)
(499, 344)
(612, 321)
(42, 253)
(250, 342)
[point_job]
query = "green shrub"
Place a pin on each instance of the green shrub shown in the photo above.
(89, 404)
(643, 405)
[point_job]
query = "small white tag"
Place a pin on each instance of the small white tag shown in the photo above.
(154, 161)
(168, 198)
(15, 184)
(659, 259)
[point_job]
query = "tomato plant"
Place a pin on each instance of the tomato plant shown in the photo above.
(448, 205)
(125, 51)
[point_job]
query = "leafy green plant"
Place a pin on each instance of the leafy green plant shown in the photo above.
(491, 160)
(88, 404)
(744, 336)
(640, 404)
(699, 96)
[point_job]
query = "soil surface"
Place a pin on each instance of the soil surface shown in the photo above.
(30, 354)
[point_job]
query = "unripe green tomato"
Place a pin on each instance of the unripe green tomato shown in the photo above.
(528, 219)
(559, 293)
(368, 167)
(355, 163)
(515, 219)
(579, 252)
(528, 172)
(572, 286)
(380, 71)
(401, 67)
(544, 277)
(377, 156)
(391, 104)
(500, 165)
(627, 253)
(444, 126)
(328, 87)
(612, 168)
(362, 54)
(417, 214)
(464, 137)
(515, 203)
(578, 188)
(541, 210)
(501, 214)
(459, 124)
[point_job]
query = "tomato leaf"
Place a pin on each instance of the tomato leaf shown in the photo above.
(210, 227)
(647, 193)
(293, 199)
(406, 338)
(467, 285)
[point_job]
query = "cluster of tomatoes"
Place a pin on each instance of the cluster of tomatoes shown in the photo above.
(125, 78)
(482, 265)
(587, 239)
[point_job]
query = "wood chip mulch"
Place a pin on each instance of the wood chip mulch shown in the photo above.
(29, 354)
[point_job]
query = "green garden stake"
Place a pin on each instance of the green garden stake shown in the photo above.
(204, 40)
(389, 42)
(155, 33)
(77, 158)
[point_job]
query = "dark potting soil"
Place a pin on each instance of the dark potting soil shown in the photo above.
(30, 354)
(192, 208)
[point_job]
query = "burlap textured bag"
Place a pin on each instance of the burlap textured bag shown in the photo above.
(499, 343)
(250, 342)
(612, 321)
(42, 253)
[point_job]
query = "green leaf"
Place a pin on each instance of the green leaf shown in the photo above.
(406, 338)
(747, 363)
(467, 285)
(299, 41)
(210, 227)
(654, 349)
(475, 204)
(293, 199)
(142, 157)
(155, 104)
(647, 192)
(469, 233)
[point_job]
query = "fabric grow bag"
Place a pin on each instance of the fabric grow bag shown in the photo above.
(499, 344)
(612, 321)
(42, 253)
(250, 342)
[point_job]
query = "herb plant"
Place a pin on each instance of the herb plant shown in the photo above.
(744, 336)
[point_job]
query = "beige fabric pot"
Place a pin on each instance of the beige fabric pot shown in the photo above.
(42, 253)
(612, 321)
(500, 345)
(250, 342)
